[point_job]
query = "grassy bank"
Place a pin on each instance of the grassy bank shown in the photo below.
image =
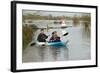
(27, 34)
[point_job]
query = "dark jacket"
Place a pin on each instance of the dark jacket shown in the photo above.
(42, 37)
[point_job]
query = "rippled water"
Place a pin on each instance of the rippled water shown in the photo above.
(78, 47)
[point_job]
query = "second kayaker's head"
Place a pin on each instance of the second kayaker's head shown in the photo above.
(54, 34)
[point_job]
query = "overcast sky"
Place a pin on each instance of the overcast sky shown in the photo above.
(53, 13)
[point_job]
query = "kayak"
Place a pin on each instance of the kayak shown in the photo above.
(56, 44)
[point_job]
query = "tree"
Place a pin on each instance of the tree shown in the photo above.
(75, 20)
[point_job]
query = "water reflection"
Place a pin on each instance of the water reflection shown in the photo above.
(50, 53)
(86, 29)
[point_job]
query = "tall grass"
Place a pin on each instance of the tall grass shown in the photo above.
(27, 34)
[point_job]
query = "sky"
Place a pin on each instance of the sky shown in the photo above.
(53, 13)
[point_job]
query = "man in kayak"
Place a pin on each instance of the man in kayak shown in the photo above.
(55, 37)
(42, 36)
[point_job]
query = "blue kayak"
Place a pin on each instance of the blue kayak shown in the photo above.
(61, 44)
(57, 43)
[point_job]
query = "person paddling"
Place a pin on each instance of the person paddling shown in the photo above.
(42, 36)
(55, 37)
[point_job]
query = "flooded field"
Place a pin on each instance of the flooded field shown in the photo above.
(77, 48)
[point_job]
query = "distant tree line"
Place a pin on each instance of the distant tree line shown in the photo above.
(51, 17)
(41, 17)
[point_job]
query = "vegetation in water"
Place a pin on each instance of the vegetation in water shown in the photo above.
(27, 34)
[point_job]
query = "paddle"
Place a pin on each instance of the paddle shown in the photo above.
(65, 34)
(34, 43)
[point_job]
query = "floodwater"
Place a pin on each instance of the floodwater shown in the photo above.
(78, 47)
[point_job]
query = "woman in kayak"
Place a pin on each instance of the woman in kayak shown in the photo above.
(42, 36)
(55, 37)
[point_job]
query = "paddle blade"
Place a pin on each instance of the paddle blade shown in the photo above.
(33, 44)
(65, 34)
